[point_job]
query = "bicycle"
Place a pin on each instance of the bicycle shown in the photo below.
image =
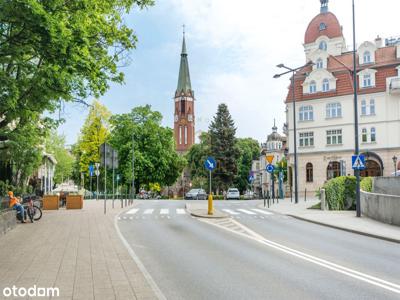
(32, 209)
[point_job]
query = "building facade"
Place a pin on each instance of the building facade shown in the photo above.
(325, 104)
(184, 114)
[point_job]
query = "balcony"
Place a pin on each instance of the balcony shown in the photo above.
(394, 86)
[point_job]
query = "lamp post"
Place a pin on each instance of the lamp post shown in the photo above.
(395, 164)
(293, 71)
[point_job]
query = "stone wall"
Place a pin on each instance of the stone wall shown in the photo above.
(381, 207)
(387, 185)
(7, 221)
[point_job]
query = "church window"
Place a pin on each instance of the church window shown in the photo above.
(320, 63)
(183, 105)
(180, 135)
(313, 87)
(185, 135)
(323, 45)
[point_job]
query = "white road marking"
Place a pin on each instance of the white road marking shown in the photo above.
(262, 211)
(148, 211)
(231, 212)
(180, 211)
(164, 211)
(312, 259)
(246, 211)
(132, 211)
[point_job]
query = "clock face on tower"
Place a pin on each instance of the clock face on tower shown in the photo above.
(176, 118)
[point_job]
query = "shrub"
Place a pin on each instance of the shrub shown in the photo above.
(366, 184)
(340, 192)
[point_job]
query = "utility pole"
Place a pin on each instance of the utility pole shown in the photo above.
(133, 165)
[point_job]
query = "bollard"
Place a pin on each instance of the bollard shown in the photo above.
(323, 199)
(305, 195)
(210, 204)
(264, 199)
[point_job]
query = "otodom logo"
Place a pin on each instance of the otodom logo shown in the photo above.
(33, 291)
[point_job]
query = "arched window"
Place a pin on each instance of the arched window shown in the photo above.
(306, 113)
(373, 134)
(183, 105)
(325, 85)
(313, 87)
(309, 172)
(320, 63)
(367, 57)
(364, 135)
(323, 45)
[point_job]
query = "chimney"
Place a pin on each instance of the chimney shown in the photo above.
(378, 42)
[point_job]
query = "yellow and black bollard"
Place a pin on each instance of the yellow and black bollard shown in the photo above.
(210, 204)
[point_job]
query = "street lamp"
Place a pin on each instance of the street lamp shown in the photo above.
(395, 164)
(293, 71)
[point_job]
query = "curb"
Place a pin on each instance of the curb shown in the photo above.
(347, 229)
(207, 216)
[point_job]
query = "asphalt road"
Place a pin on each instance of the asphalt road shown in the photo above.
(256, 255)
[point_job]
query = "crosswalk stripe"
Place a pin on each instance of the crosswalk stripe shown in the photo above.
(133, 211)
(148, 211)
(231, 212)
(246, 211)
(164, 211)
(262, 211)
(180, 211)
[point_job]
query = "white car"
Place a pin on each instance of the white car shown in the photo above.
(233, 193)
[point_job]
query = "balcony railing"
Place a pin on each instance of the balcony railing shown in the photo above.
(394, 86)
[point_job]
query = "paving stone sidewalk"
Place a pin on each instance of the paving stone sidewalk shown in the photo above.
(345, 220)
(78, 251)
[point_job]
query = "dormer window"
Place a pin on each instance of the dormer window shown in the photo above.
(323, 46)
(313, 87)
(367, 57)
(367, 78)
(320, 64)
(322, 26)
(325, 85)
(367, 82)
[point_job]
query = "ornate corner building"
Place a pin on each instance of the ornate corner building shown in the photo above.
(325, 104)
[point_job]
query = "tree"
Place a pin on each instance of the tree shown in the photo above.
(249, 150)
(156, 161)
(52, 51)
(94, 132)
(223, 147)
(55, 145)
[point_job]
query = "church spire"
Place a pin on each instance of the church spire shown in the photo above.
(184, 84)
(324, 6)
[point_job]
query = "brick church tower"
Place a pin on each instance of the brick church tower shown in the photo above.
(184, 118)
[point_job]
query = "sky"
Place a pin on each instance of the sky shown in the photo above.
(233, 49)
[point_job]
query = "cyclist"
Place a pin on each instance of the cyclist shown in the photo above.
(14, 203)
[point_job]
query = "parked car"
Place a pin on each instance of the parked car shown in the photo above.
(249, 195)
(233, 193)
(196, 194)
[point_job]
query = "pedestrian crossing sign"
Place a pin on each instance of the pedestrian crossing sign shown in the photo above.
(358, 162)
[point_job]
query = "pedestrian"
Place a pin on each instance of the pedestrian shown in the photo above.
(14, 203)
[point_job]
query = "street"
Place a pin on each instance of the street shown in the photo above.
(256, 254)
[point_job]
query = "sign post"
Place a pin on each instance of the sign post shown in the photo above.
(97, 180)
(210, 165)
(91, 172)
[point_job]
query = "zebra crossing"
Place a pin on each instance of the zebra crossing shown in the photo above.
(167, 213)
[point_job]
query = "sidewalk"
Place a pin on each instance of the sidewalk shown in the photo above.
(78, 251)
(344, 220)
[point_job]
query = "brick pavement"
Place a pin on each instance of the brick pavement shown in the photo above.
(78, 251)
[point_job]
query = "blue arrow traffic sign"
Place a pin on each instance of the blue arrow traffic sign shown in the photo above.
(270, 168)
(91, 170)
(251, 178)
(358, 162)
(210, 163)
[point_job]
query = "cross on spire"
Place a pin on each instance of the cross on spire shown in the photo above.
(183, 28)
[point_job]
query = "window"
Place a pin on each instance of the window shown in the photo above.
(180, 135)
(323, 45)
(325, 85)
(313, 87)
(306, 113)
(333, 170)
(309, 172)
(185, 136)
(373, 135)
(306, 139)
(183, 106)
(364, 135)
(334, 137)
(320, 64)
(368, 110)
(367, 57)
(367, 80)
(322, 26)
(333, 110)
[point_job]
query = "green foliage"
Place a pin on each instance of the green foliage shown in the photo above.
(224, 148)
(341, 192)
(155, 157)
(366, 184)
(249, 150)
(281, 166)
(196, 156)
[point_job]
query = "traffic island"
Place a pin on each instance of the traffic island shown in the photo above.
(200, 210)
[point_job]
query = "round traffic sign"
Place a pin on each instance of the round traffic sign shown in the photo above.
(210, 163)
(270, 168)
